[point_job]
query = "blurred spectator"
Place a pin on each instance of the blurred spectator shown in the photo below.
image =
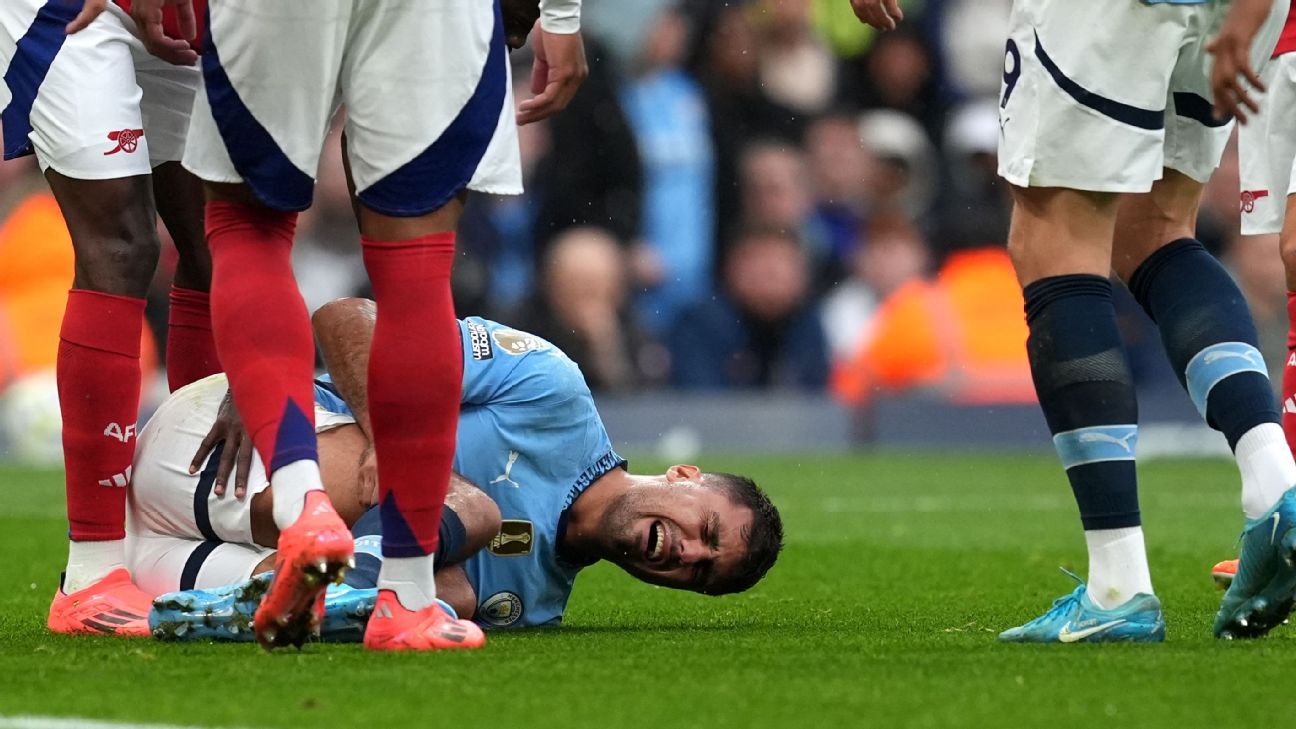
(977, 202)
(496, 268)
(907, 169)
(898, 74)
(591, 174)
(777, 194)
(796, 69)
(760, 329)
(961, 335)
(667, 111)
(895, 255)
(726, 61)
(972, 34)
(841, 171)
(581, 306)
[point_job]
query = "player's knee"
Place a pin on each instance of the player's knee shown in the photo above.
(481, 520)
(115, 238)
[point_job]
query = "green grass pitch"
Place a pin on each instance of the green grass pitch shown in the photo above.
(899, 571)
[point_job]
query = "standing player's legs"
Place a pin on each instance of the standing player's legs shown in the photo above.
(256, 140)
(1060, 103)
(1208, 333)
(413, 149)
(90, 141)
(166, 104)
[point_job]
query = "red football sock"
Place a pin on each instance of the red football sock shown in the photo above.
(99, 394)
(262, 330)
(1289, 375)
(415, 375)
(190, 349)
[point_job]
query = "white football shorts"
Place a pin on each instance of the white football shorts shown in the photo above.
(1267, 151)
(179, 535)
(1102, 95)
(425, 84)
(93, 105)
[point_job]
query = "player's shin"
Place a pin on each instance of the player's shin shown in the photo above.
(1289, 376)
(1211, 341)
(1087, 394)
(99, 393)
(415, 378)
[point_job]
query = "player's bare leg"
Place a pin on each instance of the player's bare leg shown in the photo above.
(1211, 342)
(116, 247)
(264, 340)
(1061, 246)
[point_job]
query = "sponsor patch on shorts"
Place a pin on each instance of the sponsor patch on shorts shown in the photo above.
(518, 343)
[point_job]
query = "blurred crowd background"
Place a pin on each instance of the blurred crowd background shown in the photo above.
(744, 195)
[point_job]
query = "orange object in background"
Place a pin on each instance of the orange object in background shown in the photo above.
(961, 335)
(36, 269)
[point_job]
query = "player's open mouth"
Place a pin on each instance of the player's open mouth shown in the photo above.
(655, 545)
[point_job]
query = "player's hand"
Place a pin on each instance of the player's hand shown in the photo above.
(148, 16)
(237, 454)
(369, 478)
(881, 14)
(520, 17)
(560, 68)
(89, 11)
(1232, 77)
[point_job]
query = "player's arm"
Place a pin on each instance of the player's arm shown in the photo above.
(148, 17)
(881, 14)
(560, 66)
(344, 329)
(1232, 72)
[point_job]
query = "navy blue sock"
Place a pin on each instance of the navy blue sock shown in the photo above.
(1209, 336)
(1087, 394)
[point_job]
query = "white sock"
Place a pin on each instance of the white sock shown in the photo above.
(291, 484)
(89, 562)
(1268, 470)
(410, 578)
(1118, 567)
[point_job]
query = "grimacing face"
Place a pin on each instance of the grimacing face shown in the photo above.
(678, 533)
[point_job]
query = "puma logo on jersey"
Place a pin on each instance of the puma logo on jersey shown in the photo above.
(122, 434)
(507, 476)
(127, 141)
(1123, 442)
(118, 480)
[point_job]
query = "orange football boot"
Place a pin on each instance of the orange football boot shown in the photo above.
(392, 627)
(111, 606)
(314, 551)
(1223, 573)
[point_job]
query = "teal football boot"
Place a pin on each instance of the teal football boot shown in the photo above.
(225, 613)
(1264, 589)
(1074, 618)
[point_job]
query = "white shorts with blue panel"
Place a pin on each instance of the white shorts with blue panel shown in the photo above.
(1101, 95)
(93, 105)
(425, 84)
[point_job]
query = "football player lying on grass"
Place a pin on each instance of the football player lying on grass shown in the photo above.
(551, 496)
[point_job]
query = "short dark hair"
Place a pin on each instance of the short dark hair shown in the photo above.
(764, 539)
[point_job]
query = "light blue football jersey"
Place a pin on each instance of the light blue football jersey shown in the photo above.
(531, 438)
